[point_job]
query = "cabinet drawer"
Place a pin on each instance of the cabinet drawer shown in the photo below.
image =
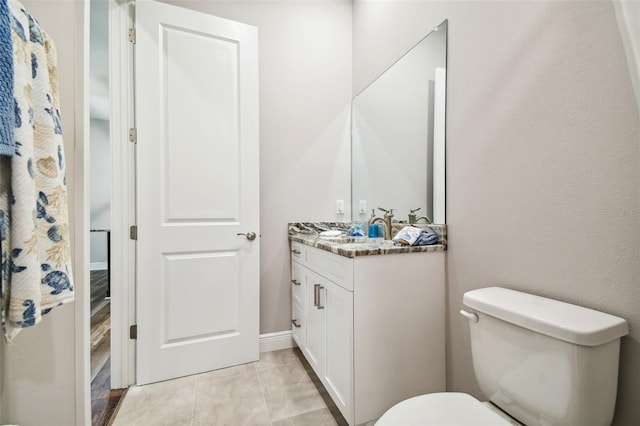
(298, 325)
(298, 279)
(298, 252)
(334, 267)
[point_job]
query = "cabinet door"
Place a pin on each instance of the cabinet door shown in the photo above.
(338, 376)
(315, 347)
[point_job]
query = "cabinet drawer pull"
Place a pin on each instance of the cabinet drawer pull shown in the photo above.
(295, 251)
(295, 282)
(294, 322)
(319, 304)
(315, 294)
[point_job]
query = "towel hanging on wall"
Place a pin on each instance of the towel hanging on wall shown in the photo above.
(34, 224)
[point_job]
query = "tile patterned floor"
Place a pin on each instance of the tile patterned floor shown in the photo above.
(279, 390)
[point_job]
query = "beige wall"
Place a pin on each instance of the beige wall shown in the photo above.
(305, 93)
(37, 376)
(543, 165)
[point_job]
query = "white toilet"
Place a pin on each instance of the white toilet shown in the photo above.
(541, 361)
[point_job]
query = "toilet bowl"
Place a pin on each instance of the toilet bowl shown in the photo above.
(444, 409)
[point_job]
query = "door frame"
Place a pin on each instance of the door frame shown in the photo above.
(80, 246)
(121, 119)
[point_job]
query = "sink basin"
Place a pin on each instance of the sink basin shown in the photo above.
(367, 245)
(344, 239)
(358, 246)
(337, 239)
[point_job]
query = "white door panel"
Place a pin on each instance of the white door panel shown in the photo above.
(205, 186)
(197, 188)
(206, 305)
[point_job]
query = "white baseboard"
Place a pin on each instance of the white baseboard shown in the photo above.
(270, 342)
(98, 266)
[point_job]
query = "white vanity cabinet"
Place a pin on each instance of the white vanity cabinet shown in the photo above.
(371, 327)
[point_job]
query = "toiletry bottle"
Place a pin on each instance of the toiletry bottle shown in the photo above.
(373, 227)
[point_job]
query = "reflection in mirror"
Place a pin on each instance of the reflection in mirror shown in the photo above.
(398, 136)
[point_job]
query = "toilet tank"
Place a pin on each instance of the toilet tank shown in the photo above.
(543, 361)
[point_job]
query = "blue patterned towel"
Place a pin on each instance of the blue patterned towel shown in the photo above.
(7, 145)
(36, 254)
(426, 238)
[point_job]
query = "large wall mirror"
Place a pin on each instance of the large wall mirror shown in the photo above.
(398, 136)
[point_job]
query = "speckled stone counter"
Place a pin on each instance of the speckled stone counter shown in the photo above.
(308, 233)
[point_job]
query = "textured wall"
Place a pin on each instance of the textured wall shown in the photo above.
(543, 172)
(305, 93)
(37, 384)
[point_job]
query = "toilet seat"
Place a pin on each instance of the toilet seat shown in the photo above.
(442, 409)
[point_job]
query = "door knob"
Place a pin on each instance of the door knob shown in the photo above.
(250, 235)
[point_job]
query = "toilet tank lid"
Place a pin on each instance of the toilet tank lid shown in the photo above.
(564, 321)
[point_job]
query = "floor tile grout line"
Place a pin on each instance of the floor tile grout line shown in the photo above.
(264, 398)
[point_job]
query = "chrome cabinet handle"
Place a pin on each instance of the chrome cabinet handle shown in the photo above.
(319, 305)
(295, 251)
(294, 322)
(295, 282)
(471, 316)
(315, 294)
(249, 235)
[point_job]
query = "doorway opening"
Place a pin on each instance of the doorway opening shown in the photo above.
(104, 399)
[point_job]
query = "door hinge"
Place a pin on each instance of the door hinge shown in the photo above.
(133, 332)
(133, 135)
(132, 35)
(133, 232)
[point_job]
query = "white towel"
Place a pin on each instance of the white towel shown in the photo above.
(36, 254)
(407, 235)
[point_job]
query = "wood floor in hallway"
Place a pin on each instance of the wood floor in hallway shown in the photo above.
(103, 400)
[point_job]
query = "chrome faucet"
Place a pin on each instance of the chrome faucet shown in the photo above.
(386, 220)
(413, 219)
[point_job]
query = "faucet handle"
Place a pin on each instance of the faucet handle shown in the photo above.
(387, 212)
(412, 211)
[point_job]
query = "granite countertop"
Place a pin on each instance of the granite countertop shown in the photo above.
(308, 233)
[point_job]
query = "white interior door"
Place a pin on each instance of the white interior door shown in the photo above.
(197, 189)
